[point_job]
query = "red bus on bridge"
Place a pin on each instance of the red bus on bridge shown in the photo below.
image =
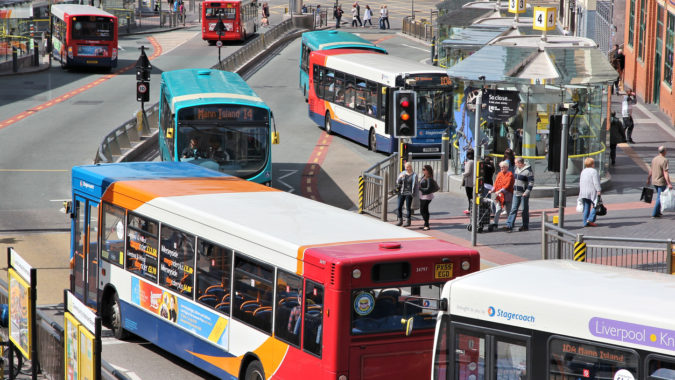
(240, 19)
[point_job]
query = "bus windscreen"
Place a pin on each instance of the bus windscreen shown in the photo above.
(97, 28)
(225, 13)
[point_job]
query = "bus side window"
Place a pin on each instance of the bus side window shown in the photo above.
(253, 282)
(313, 318)
(371, 99)
(177, 261)
(339, 89)
(214, 265)
(112, 235)
(142, 247)
(329, 86)
(288, 308)
(350, 92)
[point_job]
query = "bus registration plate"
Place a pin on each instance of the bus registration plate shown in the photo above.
(92, 62)
(443, 271)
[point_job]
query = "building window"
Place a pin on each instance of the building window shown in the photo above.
(643, 25)
(631, 23)
(670, 40)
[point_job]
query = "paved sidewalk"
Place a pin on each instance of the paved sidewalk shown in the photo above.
(626, 216)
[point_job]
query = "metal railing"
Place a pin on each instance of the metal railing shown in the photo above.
(418, 28)
(654, 255)
(376, 185)
(133, 138)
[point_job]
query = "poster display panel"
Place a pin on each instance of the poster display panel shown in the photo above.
(20, 329)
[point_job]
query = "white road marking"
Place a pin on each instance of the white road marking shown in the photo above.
(291, 189)
(415, 47)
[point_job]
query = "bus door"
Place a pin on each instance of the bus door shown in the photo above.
(84, 279)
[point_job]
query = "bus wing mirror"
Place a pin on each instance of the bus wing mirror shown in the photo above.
(169, 133)
(275, 134)
(408, 324)
(68, 209)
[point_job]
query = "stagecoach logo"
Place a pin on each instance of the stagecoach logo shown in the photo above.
(632, 333)
(499, 313)
(364, 303)
(86, 185)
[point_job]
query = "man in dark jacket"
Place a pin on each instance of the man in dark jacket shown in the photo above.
(522, 187)
(616, 136)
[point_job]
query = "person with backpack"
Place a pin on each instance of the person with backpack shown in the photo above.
(428, 187)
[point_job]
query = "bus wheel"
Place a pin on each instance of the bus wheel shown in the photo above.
(327, 124)
(372, 140)
(116, 318)
(255, 371)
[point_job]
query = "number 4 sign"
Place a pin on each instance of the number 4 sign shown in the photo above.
(544, 18)
(517, 6)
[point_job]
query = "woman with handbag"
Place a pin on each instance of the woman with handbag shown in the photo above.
(589, 191)
(428, 187)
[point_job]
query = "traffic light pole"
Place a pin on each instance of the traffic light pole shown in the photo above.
(476, 197)
(563, 169)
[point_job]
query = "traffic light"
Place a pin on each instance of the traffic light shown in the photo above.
(405, 119)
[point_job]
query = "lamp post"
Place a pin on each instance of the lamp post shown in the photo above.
(219, 28)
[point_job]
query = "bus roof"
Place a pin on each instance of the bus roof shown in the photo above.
(191, 87)
(60, 10)
(336, 39)
(589, 301)
(179, 193)
(377, 67)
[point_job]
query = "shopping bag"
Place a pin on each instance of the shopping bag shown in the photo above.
(667, 200)
(647, 194)
(580, 205)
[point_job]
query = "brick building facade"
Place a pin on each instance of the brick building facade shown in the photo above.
(649, 45)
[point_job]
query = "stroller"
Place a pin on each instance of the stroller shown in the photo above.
(484, 214)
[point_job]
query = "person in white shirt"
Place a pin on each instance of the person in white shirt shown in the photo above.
(627, 114)
(367, 16)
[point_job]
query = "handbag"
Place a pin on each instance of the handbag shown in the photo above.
(600, 208)
(668, 200)
(647, 194)
(433, 187)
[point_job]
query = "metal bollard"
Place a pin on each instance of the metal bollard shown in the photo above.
(15, 60)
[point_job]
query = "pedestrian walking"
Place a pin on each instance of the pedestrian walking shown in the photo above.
(503, 190)
(428, 187)
(615, 58)
(659, 177)
(265, 14)
(468, 178)
(355, 16)
(385, 16)
(358, 13)
(627, 114)
(616, 136)
(406, 185)
(523, 182)
(338, 16)
(367, 16)
(589, 191)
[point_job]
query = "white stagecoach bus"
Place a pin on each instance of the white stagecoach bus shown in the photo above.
(557, 320)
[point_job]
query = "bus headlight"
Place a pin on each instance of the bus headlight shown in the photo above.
(356, 273)
(70, 52)
(466, 265)
(114, 53)
(342, 377)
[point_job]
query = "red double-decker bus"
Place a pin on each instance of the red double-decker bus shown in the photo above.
(83, 35)
(240, 19)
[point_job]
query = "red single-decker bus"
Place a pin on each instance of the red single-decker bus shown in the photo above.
(83, 35)
(240, 19)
